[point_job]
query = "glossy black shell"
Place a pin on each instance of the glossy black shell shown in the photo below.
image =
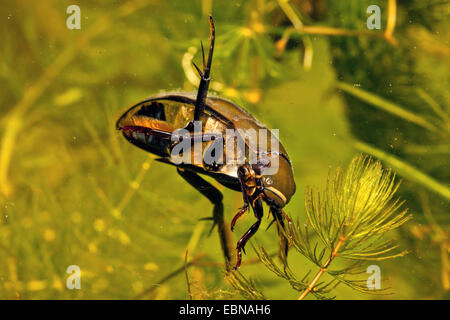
(219, 114)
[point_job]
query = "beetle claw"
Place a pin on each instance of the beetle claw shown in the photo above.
(198, 70)
(203, 55)
(212, 228)
(213, 225)
(270, 224)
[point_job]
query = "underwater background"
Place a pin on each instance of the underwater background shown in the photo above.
(74, 192)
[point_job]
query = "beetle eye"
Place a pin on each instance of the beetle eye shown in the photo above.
(268, 180)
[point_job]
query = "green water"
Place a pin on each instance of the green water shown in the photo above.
(74, 192)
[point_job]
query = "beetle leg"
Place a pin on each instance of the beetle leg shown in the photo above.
(258, 209)
(278, 215)
(206, 189)
(200, 73)
(205, 79)
(259, 196)
(215, 196)
(271, 223)
(203, 54)
(196, 137)
(244, 208)
(148, 131)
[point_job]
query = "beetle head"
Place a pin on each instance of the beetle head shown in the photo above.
(280, 187)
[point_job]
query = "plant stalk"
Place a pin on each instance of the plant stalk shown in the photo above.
(322, 270)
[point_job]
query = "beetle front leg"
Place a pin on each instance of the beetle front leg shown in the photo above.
(244, 208)
(259, 213)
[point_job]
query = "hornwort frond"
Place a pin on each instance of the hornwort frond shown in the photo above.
(350, 219)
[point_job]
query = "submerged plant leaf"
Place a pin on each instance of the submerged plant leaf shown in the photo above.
(358, 206)
(245, 287)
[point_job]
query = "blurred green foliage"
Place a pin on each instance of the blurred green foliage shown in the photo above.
(73, 192)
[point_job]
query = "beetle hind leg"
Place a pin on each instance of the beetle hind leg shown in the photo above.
(215, 196)
(205, 74)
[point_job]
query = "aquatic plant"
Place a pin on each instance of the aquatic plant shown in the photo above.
(348, 220)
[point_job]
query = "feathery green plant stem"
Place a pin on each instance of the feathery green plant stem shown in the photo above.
(322, 270)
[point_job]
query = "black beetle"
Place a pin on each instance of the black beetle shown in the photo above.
(151, 125)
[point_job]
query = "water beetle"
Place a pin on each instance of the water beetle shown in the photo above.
(151, 123)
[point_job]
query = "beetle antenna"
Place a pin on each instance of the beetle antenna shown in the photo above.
(205, 79)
